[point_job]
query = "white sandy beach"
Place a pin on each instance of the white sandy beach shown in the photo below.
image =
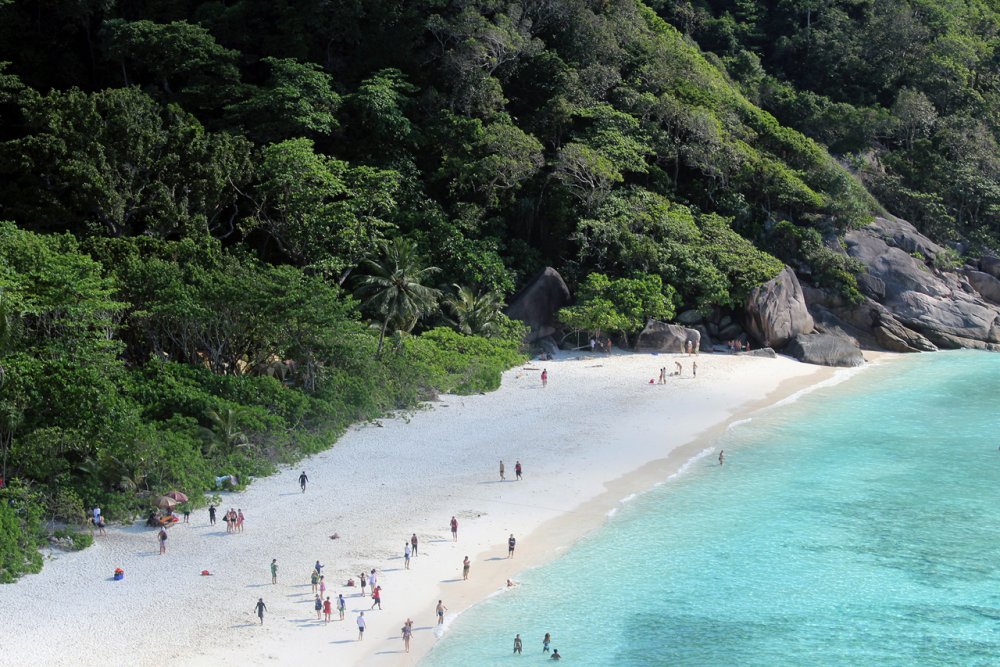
(597, 433)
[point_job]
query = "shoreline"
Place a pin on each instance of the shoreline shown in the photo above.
(598, 434)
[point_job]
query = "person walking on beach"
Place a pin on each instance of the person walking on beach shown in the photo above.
(327, 609)
(303, 479)
(545, 642)
(517, 470)
(517, 644)
(239, 521)
(318, 567)
(373, 579)
(162, 537)
(406, 555)
(211, 515)
(318, 606)
(413, 543)
(407, 631)
(722, 456)
(376, 597)
(511, 543)
(454, 529)
(322, 585)
(341, 605)
(364, 582)
(694, 369)
(314, 580)
(545, 377)
(466, 564)
(260, 609)
(361, 626)
(501, 470)
(440, 609)
(274, 570)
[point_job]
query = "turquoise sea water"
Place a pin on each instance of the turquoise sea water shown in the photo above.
(858, 525)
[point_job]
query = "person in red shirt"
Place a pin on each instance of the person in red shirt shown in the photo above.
(545, 377)
(517, 470)
(327, 609)
(377, 597)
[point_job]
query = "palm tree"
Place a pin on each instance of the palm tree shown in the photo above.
(393, 288)
(476, 313)
(225, 431)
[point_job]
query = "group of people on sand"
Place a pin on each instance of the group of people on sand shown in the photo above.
(605, 345)
(234, 520)
(678, 372)
(518, 471)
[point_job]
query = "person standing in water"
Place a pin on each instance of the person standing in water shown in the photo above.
(260, 609)
(555, 654)
(545, 642)
(501, 470)
(517, 640)
(303, 480)
(274, 570)
(440, 609)
(722, 456)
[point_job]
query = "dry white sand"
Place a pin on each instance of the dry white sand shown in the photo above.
(596, 434)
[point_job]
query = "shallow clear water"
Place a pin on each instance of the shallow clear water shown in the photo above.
(859, 525)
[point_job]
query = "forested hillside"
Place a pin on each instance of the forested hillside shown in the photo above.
(233, 228)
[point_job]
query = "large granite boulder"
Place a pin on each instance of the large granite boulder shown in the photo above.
(537, 303)
(990, 265)
(776, 311)
(824, 350)
(662, 337)
(987, 286)
(936, 308)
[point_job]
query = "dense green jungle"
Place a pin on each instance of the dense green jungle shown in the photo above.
(232, 228)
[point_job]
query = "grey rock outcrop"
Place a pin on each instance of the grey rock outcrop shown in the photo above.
(537, 303)
(990, 265)
(662, 337)
(909, 305)
(825, 350)
(765, 352)
(776, 311)
(985, 284)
